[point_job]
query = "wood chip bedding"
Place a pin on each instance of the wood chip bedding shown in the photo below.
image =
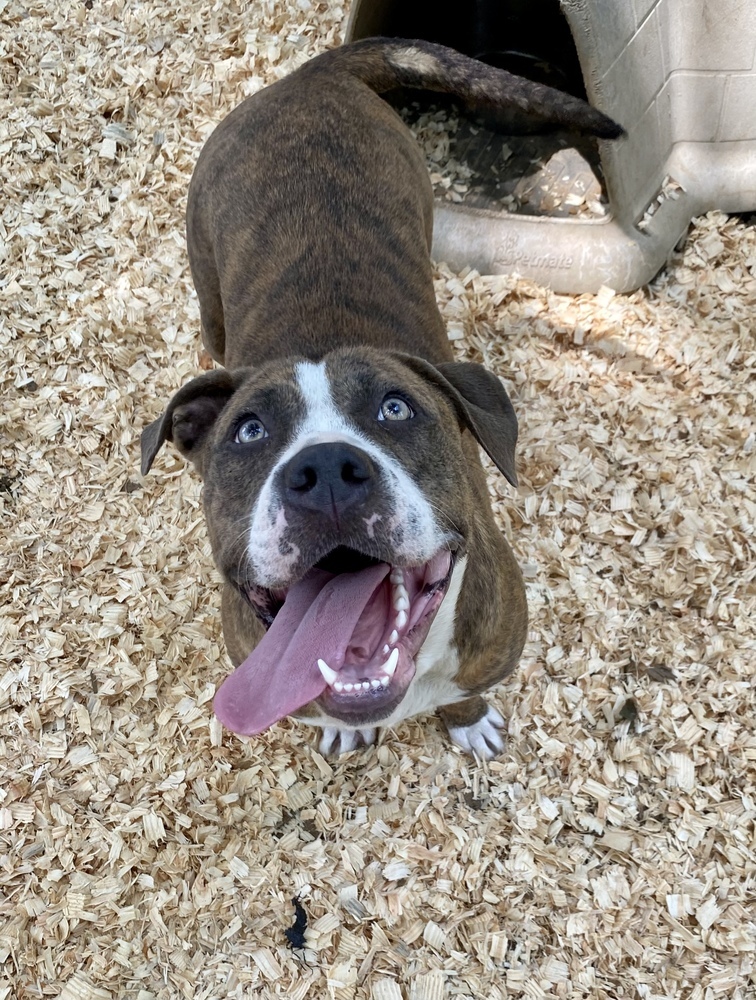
(144, 853)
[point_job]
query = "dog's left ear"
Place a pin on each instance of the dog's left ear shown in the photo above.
(190, 416)
(482, 405)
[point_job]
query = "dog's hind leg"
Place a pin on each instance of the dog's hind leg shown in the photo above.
(207, 285)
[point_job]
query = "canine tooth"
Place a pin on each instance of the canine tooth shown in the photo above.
(401, 619)
(393, 637)
(390, 665)
(385, 681)
(338, 686)
(329, 675)
(375, 683)
(348, 687)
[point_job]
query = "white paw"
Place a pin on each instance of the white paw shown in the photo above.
(484, 737)
(336, 740)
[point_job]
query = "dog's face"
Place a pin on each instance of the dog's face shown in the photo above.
(338, 499)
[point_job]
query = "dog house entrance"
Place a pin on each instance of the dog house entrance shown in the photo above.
(556, 174)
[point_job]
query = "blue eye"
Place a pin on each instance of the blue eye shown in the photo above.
(250, 431)
(395, 408)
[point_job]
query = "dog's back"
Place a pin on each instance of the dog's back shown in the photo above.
(282, 203)
(313, 223)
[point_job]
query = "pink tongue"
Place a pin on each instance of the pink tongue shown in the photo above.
(316, 622)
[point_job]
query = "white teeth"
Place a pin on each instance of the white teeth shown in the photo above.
(390, 665)
(393, 637)
(329, 676)
(358, 686)
(401, 619)
(386, 649)
(400, 597)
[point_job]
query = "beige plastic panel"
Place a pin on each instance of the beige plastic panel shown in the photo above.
(680, 75)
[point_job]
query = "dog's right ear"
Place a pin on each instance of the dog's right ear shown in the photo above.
(190, 416)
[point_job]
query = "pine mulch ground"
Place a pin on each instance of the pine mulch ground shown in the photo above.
(144, 853)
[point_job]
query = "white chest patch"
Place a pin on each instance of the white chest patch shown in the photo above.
(270, 553)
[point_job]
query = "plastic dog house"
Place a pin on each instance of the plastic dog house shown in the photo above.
(679, 75)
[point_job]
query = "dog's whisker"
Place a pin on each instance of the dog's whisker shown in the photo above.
(445, 517)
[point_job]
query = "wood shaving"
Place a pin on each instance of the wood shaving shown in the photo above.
(146, 853)
(517, 174)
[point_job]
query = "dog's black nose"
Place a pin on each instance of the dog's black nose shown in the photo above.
(328, 477)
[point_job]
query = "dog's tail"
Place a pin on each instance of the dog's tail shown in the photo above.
(389, 63)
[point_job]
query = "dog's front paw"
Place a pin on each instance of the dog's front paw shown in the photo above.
(336, 740)
(484, 737)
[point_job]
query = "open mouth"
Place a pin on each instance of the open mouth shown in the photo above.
(345, 636)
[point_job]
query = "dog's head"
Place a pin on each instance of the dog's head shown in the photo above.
(338, 498)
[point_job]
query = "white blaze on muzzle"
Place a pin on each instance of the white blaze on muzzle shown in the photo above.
(272, 555)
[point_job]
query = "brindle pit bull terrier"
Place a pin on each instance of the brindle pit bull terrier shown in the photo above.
(365, 578)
